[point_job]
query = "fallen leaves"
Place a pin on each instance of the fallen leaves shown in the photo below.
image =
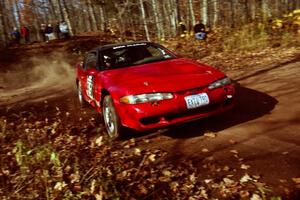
(210, 135)
(205, 150)
(99, 141)
(234, 151)
(255, 197)
(245, 178)
(59, 186)
(243, 166)
(69, 163)
(296, 180)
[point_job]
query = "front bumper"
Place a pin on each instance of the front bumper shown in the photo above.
(168, 112)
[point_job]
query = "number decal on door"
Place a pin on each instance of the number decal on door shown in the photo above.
(89, 86)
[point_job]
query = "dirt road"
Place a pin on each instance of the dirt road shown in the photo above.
(262, 132)
(259, 137)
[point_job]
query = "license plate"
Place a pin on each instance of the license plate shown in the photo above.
(197, 100)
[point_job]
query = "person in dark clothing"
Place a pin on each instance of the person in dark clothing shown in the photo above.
(64, 29)
(43, 32)
(57, 30)
(199, 30)
(25, 34)
(16, 36)
(49, 33)
(182, 29)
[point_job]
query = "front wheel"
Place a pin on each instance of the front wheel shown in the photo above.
(111, 119)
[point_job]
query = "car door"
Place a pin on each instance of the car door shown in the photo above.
(90, 72)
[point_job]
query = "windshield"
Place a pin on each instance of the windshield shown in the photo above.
(133, 54)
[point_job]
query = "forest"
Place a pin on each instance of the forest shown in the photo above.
(146, 19)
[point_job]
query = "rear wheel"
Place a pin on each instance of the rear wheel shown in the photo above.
(111, 119)
(81, 100)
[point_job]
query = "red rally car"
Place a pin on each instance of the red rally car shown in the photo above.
(143, 85)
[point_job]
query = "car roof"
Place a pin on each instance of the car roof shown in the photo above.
(109, 46)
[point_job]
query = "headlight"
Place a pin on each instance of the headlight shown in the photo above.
(219, 83)
(145, 98)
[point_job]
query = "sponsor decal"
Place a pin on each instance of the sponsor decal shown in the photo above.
(129, 45)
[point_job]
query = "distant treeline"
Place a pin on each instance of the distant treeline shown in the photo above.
(147, 18)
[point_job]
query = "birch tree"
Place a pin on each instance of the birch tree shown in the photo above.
(204, 13)
(157, 20)
(171, 13)
(66, 16)
(3, 30)
(102, 17)
(215, 13)
(265, 10)
(144, 20)
(92, 16)
(191, 9)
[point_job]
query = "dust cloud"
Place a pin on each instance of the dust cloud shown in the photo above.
(38, 79)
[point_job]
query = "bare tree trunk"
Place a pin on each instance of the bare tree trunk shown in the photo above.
(156, 19)
(215, 13)
(178, 10)
(36, 22)
(247, 11)
(87, 18)
(161, 17)
(144, 20)
(121, 10)
(265, 10)
(102, 18)
(132, 28)
(66, 16)
(91, 14)
(11, 13)
(232, 8)
(253, 10)
(61, 13)
(173, 18)
(17, 13)
(7, 18)
(3, 31)
(204, 13)
(191, 8)
(52, 12)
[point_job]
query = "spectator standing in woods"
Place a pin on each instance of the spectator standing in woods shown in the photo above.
(25, 34)
(64, 29)
(57, 30)
(49, 33)
(199, 30)
(200, 33)
(16, 36)
(182, 29)
(43, 32)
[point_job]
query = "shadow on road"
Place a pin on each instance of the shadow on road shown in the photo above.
(251, 104)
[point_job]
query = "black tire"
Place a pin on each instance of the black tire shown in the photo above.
(80, 97)
(111, 119)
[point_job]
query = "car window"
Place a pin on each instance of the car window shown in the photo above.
(91, 61)
(130, 55)
(156, 51)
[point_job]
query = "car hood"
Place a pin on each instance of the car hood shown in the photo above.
(166, 76)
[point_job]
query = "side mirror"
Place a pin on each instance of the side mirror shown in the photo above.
(91, 71)
(81, 64)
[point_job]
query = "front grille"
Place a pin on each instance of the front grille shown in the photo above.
(172, 116)
(149, 120)
(204, 109)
